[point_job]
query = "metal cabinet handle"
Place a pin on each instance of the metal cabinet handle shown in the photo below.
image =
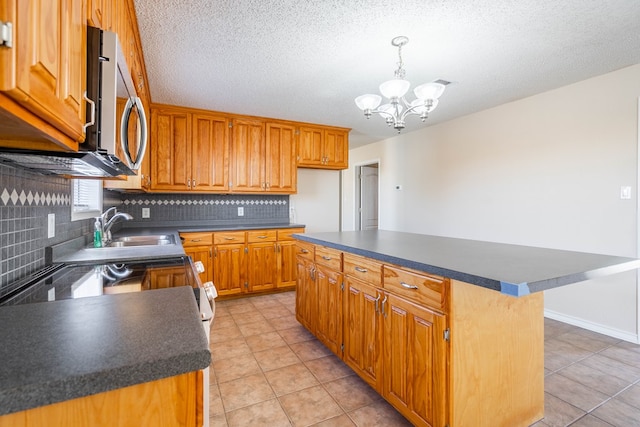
(261, 237)
(93, 112)
(304, 251)
(326, 258)
(196, 240)
(376, 306)
(384, 312)
(312, 273)
(229, 238)
(408, 286)
(360, 269)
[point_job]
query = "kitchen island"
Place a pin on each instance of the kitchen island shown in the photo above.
(449, 331)
(98, 360)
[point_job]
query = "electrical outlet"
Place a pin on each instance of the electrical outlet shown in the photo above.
(51, 225)
(240, 210)
(146, 212)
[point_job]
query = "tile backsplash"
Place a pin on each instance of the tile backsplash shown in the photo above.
(26, 200)
(222, 209)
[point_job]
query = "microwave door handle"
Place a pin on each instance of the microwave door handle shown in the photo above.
(142, 135)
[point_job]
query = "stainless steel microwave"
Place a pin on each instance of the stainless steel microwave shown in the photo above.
(114, 110)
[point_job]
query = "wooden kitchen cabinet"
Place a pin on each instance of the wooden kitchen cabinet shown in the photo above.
(100, 13)
(199, 247)
(441, 351)
(281, 174)
(414, 361)
(247, 156)
(188, 151)
(286, 258)
(230, 263)
(328, 285)
(262, 271)
(363, 331)
(43, 75)
(323, 148)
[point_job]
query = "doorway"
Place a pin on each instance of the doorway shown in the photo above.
(367, 196)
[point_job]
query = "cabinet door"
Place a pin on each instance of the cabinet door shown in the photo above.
(262, 266)
(99, 13)
(362, 331)
(45, 70)
(286, 264)
(415, 380)
(280, 159)
(204, 255)
(170, 150)
(247, 161)
(310, 142)
(210, 153)
(336, 150)
(229, 269)
(329, 296)
(306, 300)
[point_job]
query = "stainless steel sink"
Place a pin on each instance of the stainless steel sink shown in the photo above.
(142, 240)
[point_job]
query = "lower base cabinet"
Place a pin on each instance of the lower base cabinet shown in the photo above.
(444, 353)
(167, 402)
(245, 262)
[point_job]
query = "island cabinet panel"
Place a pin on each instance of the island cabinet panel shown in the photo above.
(415, 361)
(363, 331)
(167, 402)
(328, 285)
(306, 295)
(497, 357)
(441, 351)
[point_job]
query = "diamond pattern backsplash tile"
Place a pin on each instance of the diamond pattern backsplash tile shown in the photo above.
(26, 200)
(209, 208)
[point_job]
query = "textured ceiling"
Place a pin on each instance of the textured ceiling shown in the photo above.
(307, 60)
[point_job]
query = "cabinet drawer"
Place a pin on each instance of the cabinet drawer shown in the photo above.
(285, 233)
(305, 250)
(224, 237)
(329, 257)
(425, 289)
(257, 236)
(368, 270)
(197, 239)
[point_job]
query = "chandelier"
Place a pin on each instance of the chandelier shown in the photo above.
(398, 108)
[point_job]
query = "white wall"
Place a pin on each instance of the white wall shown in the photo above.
(317, 203)
(542, 171)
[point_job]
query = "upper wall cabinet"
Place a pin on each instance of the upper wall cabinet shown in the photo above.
(189, 151)
(263, 157)
(323, 148)
(42, 74)
(100, 13)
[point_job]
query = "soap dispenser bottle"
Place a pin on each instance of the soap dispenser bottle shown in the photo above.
(97, 234)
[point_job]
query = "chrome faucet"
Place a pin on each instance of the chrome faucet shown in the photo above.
(107, 224)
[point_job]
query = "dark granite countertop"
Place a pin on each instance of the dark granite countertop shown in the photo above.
(511, 269)
(65, 349)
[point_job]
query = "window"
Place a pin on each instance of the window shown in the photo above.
(86, 198)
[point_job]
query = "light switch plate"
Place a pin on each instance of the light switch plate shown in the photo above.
(51, 225)
(625, 192)
(146, 212)
(240, 210)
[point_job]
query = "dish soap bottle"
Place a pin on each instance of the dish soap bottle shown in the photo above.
(97, 234)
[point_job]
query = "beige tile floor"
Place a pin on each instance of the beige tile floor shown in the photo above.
(267, 370)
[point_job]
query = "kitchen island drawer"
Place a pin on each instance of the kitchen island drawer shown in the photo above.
(366, 269)
(197, 239)
(329, 257)
(426, 289)
(257, 236)
(227, 237)
(305, 250)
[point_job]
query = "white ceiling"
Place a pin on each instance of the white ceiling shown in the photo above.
(307, 60)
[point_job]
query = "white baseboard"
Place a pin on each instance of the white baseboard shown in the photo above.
(595, 327)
